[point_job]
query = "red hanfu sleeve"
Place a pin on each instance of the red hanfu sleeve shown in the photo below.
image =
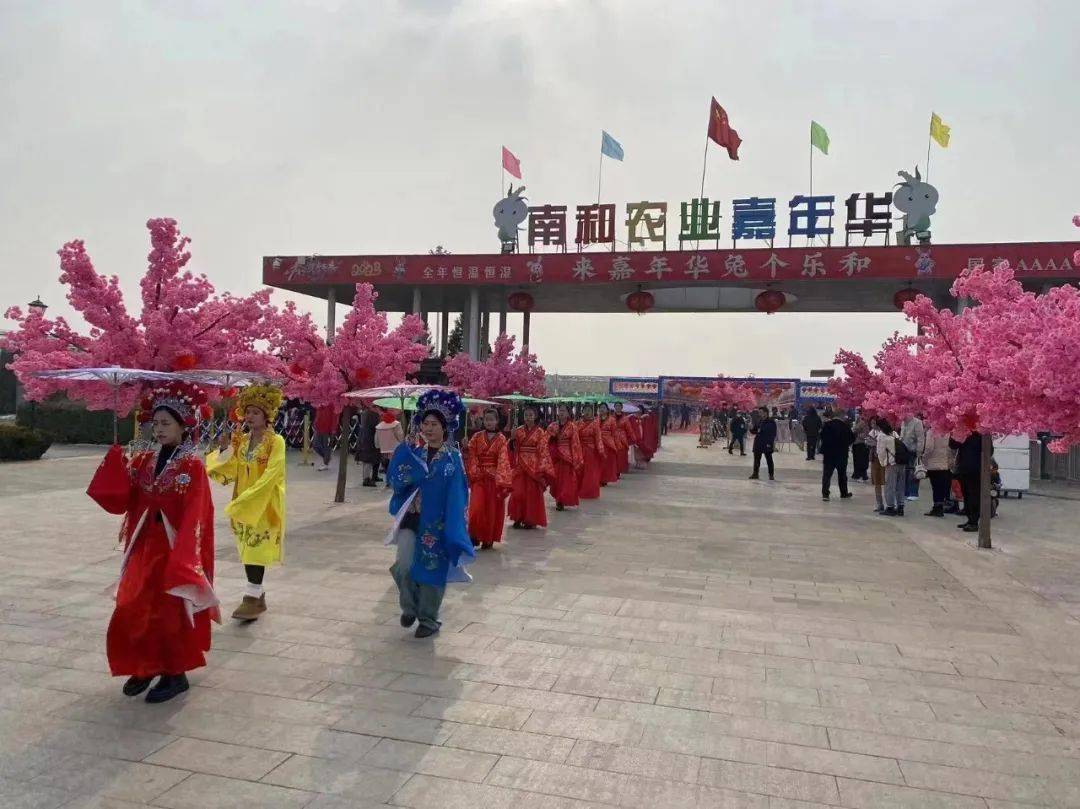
(111, 485)
(578, 459)
(504, 474)
(189, 573)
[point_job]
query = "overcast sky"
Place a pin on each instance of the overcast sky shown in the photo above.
(375, 127)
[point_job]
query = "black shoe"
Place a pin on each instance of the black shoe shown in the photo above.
(889, 512)
(825, 497)
(899, 511)
(136, 685)
(169, 686)
(971, 528)
(517, 525)
(407, 620)
(560, 507)
(423, 631)
(963, 526)
(370, 484)
(846, 495)
(936, 511)
(754, 477)
(771, 478)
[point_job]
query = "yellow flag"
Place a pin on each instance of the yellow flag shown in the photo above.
(939, 131)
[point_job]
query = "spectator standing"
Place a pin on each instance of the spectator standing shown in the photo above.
(764, 443)
(860, 450)
(388, 434)
(968, 471)
(836, 438)
(367, 453)
(812, 427)
(913, 434)
(327, 419)
(937, 457)
(888, 449)
(737, 429)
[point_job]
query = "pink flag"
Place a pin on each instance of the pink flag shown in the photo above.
(511, 163)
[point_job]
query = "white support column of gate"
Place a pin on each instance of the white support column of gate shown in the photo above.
(502, 314)
(473, 322)
(444, 330)
(417, 301)
(525, 318)
(331, 314)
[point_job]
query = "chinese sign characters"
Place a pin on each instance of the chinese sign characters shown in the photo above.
(672, 267)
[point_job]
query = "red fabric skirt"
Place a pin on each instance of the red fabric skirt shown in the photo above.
(622, 458)
(609, 467)
(150, 633)
(590, 474)
(527, 501)
(487, 512)
(565, 488)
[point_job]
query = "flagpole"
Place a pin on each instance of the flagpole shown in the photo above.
(929, 141)
(600, 177)
(704, 164)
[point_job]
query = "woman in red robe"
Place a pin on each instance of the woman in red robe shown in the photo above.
(566, 458)
(592, 448)
(650, 436)
(490, 480)
(532, 473)
(165, 599)
(622, 439)
(608, 429)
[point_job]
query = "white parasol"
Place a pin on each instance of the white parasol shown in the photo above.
(112, 376)
(224, 379)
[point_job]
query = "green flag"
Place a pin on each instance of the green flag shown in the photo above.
(819, 137)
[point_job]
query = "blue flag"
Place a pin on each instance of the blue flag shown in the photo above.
(610, 147)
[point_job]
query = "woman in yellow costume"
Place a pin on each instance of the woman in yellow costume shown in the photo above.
(254, 462)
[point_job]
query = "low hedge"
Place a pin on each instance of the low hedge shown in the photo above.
(71, 423)
(22, 443)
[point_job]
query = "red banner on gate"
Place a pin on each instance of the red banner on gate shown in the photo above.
(759, 265)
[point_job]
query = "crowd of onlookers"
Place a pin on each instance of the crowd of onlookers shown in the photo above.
(894, 458)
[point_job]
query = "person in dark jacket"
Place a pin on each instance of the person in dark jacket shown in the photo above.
(764, 443)
(836, 437)
(737, 433)
(812, 427)
(968, 471)
(367, 451)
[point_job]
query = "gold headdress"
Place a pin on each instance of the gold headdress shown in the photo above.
(265, 397)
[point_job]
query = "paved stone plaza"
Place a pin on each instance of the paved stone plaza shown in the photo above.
(694, 639)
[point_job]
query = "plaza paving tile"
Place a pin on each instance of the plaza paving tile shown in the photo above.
(691, 639)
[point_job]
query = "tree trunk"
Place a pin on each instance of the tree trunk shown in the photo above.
(343, 454)
(985, 491)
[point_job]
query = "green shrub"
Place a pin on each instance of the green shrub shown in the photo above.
(71, 423)
(22, 443)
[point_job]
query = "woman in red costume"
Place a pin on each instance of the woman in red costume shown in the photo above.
(650, 436)
(566, 458)
(490, 480)
(165, 598)
(623, 439)
(592, 448)
(608, 429)
(532, 473)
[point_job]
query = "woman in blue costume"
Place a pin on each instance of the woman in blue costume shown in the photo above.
(429, 505)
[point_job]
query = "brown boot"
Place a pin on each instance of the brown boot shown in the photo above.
(250, 608)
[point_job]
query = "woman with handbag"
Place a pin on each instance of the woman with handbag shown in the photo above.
(937, 458)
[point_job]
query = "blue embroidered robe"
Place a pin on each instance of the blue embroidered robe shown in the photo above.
(443, 546)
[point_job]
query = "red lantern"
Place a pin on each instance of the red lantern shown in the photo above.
(229, 393)
(640, 301)
(184, 361)
(361, 376)
(770, 301)
(521, 302)
(906, 295)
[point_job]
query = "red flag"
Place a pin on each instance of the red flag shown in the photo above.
(511, 163)
(721, 132)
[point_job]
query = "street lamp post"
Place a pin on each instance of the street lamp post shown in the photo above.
(37, 306)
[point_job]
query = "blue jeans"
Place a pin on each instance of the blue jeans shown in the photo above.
(912, 482)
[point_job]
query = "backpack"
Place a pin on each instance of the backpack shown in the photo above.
(902, 454)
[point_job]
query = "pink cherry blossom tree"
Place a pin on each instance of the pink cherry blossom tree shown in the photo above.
(1006, 365)
(183, 324)
(364, 353)
(502, 373)
(726, 393)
